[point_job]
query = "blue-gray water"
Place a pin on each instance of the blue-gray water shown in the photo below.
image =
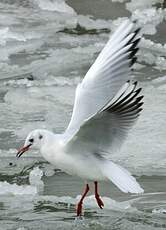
(46, 47)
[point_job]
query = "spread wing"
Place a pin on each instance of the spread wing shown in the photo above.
(110, 71)
(105, 132)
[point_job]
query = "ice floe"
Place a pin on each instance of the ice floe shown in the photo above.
(14, 189)
(36, 185)
(7, 35)
(35, 179)
(153, 46)
(160, 63)
(57, 5)
(159, 211)
(148, 19)
(152, 53)
(90, 202)
(141, 4)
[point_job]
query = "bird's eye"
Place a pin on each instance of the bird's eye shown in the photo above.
(40, 137)
(31, 140)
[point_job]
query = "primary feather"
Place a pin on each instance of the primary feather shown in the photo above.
(106, 76)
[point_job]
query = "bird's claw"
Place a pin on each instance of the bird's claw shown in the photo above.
(79, 209)
(99, 201)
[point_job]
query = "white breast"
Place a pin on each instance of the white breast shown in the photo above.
(73, 164)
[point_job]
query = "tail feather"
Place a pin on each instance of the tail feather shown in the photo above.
(121, 178)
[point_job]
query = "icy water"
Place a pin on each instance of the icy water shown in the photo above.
(46, 47)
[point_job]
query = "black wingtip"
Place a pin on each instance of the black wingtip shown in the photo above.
(138, 90)
(133, 60)
(135, 43)
(133, 52)
(139, 110)
(139, 98)
(137, 30)
(132, 41)
(140, 103)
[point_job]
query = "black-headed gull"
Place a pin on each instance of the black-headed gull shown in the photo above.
(106, 106)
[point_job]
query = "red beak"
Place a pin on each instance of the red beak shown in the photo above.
(22, 150)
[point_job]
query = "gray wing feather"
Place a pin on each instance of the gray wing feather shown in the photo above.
(105, 132)
(109, 72)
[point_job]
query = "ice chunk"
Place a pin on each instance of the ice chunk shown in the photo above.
(89, 23)
(6, 34)
(161, 63)
(66, 61)
(14, 189)
(148, 16)
(152, 53)
(159, 211)
(148, 19)
(160, 80)
(146, 57)
(57, 5)
(15, 49)
(3, 33)
(35, 178)
(90, 202)
(109, 203)
(49, 170)
(152, 46)
(141, 4)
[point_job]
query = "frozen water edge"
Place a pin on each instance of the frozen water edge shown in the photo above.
(90, 202)
(141, 4)
(35, 179)
(16, 190)
(57, 5)
(7, 35)
(152, 53)
(36, 185)
(147, 14)
(159, 211)
(152, 46)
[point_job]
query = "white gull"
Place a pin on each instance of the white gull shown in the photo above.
(106, 106)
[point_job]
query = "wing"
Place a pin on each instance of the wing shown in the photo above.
(110, 71)
(105, 132)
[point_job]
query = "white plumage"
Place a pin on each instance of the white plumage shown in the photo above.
(106, 106)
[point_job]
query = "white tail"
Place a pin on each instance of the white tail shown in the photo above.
(121, 178)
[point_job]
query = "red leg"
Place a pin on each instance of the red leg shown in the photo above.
(79, 206)
(98, 199)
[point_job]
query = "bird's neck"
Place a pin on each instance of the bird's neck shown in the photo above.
(52, 147)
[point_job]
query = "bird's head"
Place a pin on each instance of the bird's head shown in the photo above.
(34, 140)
